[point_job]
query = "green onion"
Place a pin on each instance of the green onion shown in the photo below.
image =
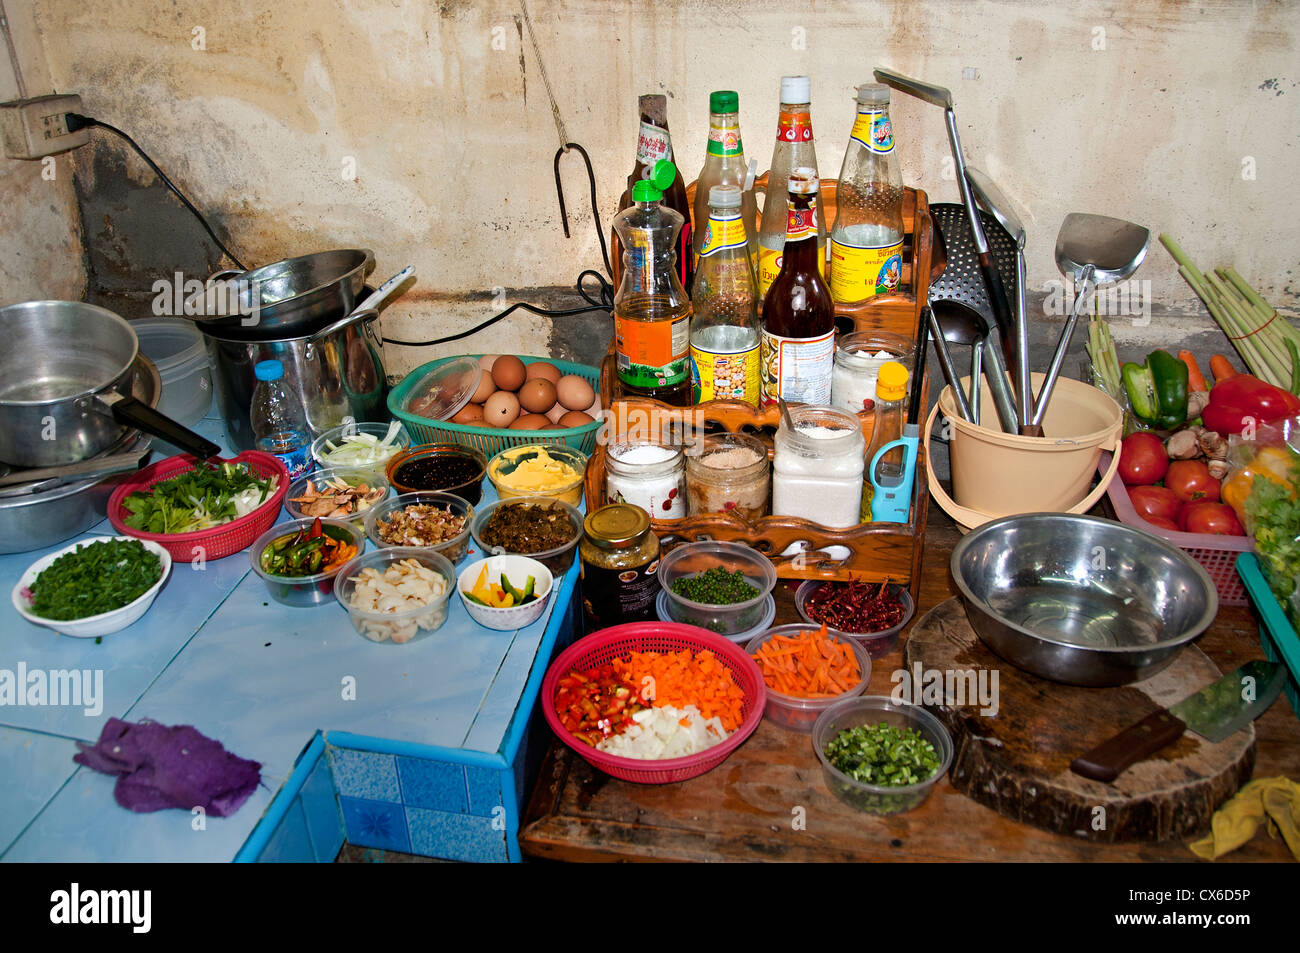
(94, 578)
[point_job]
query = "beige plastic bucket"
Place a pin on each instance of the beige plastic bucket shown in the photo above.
(998, 474)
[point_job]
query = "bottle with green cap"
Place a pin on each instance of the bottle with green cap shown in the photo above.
(891, 391)
(652, 312)
(725, 333)
(653, 143)
(867, 242)
(724, 164)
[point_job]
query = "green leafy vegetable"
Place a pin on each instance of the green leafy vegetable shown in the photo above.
(883, 755)
(1274, 519)
(200, 498)
(94, 578)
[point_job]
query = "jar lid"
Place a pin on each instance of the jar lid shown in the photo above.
(616, 525)
(891, 383)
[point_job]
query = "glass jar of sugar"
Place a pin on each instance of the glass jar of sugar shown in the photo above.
(858, 359)
(649, 475)
(817, 471)
(730, 474)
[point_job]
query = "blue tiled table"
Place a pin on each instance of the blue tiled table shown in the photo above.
(420, 748)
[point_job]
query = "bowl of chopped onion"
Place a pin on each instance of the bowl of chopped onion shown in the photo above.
(396, 595)
(366, 446)
(433, 520)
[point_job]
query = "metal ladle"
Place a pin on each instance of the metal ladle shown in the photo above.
(962, 325)
(1093, 250)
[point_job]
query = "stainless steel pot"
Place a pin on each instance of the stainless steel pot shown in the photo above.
(65, 386)
(336, 372)
(284, 298)
(36, 520)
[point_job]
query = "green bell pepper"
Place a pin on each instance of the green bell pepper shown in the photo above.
(1157, 390)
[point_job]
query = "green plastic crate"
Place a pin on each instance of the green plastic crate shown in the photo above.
(489, 441)
(1276, 635)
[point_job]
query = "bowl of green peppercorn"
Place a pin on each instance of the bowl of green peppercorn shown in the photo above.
(719, 586)
(880, 756)
(93, 587)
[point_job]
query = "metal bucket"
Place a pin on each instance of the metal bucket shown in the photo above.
(336, 376)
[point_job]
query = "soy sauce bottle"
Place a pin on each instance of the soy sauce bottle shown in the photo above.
(654, 144)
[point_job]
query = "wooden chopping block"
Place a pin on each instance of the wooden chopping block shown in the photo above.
(1017, 762)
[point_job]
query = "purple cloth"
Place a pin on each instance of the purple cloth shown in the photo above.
(160, 767)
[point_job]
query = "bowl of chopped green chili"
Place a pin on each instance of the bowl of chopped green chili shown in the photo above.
(93, 587)
(881, 756)
(719, 586)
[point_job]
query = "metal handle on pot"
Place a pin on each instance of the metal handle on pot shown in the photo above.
(133, 413)
(366, 309)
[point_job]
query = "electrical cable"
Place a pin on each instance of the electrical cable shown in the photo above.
(77, 121)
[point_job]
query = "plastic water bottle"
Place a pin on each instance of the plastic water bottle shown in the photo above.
(279, 424)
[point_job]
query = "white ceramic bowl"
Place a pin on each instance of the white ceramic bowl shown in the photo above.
(517, 570)
(96, 625)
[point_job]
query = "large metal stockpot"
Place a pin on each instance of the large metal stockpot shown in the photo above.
(336, 372)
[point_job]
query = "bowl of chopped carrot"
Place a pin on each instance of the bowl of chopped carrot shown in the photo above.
(653, 702)
(807, 670)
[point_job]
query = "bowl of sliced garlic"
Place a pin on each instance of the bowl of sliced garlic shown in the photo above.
(396, 595)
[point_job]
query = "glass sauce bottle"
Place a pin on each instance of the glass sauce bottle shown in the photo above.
(654, 144)
(798, 350)
(794, 149)
(724, 164)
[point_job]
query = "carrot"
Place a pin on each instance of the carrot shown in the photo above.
(808, 665)
(688, 678)
(1221, 368)
(1195, 379)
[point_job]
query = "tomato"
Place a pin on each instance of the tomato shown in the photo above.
(1156, 502)
(1161, 522)
(1216, 519)
(1142, 459)
(1191, 481)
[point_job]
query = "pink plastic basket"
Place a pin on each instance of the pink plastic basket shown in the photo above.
(619, 640)
(220, 541)
(1216, 554)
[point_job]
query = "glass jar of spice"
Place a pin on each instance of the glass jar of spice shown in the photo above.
(730, 474)
(817, 470)
(649, 475)
(858, 359)
(620, 563)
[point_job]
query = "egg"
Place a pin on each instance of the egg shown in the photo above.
(543, 369)
(530, 422)
(487, 360)
(594, 411)
(485, 389)
(501, 409)
(556, 412)
(508, 372)
(575, 418)
(469, 414)
(537, 396)
(574, 393)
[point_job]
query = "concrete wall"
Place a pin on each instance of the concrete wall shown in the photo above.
(40, 225)
(423, 130)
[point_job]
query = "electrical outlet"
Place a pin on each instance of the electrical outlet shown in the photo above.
(34, 128)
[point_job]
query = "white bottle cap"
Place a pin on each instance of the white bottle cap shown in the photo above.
(796, 89)
(873, 93)
(725, 196)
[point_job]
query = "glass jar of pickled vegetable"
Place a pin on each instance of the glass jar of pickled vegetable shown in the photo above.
(620, 563)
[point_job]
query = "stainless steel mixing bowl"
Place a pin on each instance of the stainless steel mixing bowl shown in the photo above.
(1079, 599)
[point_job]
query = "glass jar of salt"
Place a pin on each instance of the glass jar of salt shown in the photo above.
(817, 470)
(730, 474)
(649, 475)
(858, 359)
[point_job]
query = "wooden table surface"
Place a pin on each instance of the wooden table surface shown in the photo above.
(768, 801)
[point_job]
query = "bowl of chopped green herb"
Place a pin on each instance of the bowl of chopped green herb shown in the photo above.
(881, 756)
(719, 586)
(93, 587)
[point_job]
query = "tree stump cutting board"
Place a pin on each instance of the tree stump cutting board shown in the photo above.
(1017, 762)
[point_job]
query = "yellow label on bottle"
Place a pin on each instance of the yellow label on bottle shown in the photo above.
(873, 129)
(725, 376)
(722, 233)
(769, 266)
(860, 272)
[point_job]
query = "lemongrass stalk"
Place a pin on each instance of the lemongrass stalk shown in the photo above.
(1275, 362)
(1285, 328)
(1229, 321)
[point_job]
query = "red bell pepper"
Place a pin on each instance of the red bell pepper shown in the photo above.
(1244, 400)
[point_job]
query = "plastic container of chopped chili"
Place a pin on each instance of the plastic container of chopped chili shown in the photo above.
(877, 643)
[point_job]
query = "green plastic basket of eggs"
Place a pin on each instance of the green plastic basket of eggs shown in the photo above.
(507, 402)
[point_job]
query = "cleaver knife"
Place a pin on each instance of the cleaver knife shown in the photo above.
(1215, 712)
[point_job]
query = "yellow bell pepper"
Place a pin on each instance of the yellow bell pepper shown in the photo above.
(1273, 463)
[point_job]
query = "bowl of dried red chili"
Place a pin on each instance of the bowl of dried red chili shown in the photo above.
(872, 613)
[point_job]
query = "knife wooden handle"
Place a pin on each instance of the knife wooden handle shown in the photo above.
(1109, 759)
